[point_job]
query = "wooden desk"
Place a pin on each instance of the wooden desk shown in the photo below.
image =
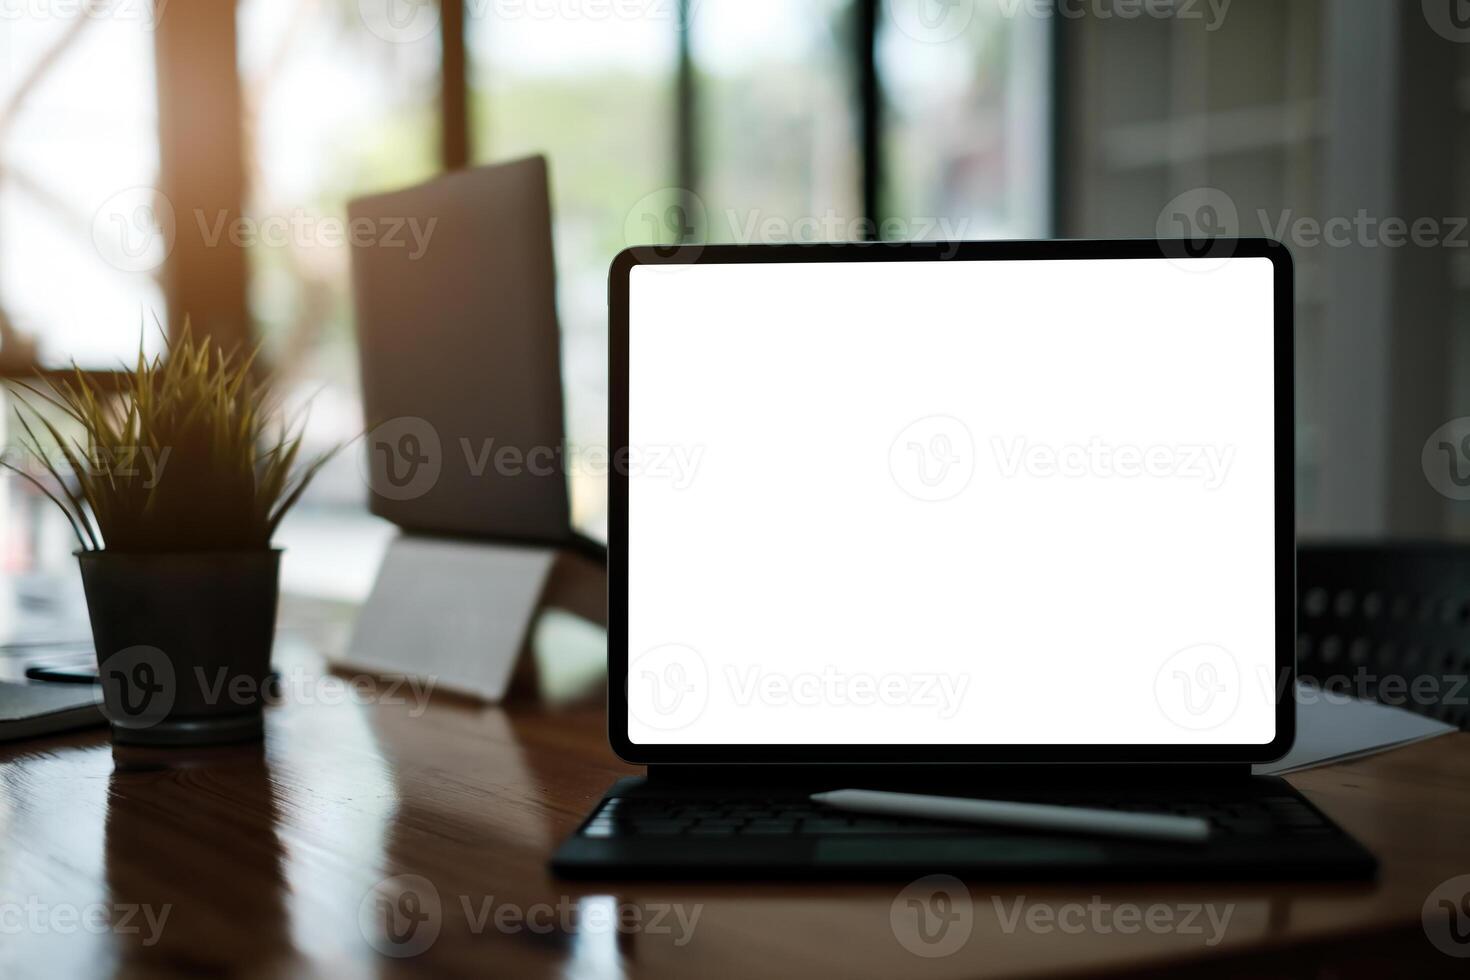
(265, 856)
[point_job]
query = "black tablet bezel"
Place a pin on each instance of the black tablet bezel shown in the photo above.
(618, 531)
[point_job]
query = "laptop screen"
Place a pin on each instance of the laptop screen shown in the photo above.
(952, 503)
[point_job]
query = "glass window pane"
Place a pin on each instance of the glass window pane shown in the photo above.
(776, 120)
(83, 232)
(967, 119)
(594, 93)
(335, 106)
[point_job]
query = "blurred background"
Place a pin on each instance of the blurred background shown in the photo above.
(163, 158)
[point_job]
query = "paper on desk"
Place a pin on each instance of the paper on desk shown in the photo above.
(455, 612)
(1335, 728)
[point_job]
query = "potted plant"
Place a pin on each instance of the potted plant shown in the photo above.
(174, 485)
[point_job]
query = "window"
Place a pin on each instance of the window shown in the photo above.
(331, 110)
(83, 231)
(776, 121)
(595, 95)
(967, 123)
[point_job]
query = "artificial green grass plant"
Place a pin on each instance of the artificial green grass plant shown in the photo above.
(188, 455)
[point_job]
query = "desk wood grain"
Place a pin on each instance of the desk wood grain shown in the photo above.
(269, 861)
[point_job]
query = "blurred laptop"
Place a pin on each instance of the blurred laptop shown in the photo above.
(455, 293)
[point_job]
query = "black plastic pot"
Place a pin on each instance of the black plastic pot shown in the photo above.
(183, 642)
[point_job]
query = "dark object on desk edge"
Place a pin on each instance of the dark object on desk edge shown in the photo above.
(644, 829)
(63, 673)
(28, 710)
(87, 674)
(183, 642)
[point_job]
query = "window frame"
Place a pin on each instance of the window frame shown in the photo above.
(199, 90)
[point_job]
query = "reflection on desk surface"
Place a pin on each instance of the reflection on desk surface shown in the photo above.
(368, 808)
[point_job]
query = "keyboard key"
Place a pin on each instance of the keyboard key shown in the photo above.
(660, 827)
(878, 825)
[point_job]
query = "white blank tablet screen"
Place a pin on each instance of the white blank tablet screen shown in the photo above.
(963, 502)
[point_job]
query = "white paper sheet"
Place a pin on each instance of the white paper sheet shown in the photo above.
(454, 611)
(1334, 728)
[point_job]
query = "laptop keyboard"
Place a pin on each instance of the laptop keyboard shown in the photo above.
(632, 816)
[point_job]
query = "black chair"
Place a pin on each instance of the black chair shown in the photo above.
(1389, 621)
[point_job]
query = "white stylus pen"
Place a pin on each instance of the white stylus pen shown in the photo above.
(1037, 816)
